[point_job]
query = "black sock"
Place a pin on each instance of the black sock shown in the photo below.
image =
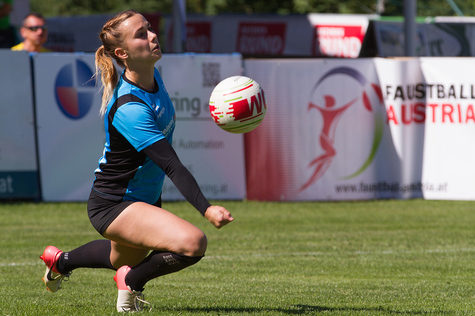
(157, 264)
(95, 254)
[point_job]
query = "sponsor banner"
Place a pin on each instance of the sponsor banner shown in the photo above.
(18, 167)
(338, 35)
(317, 143)
(198, 37)
(70, 130)
(363, 129)
(274, 35)
(214, 157)
(449, 95)
(261, 38)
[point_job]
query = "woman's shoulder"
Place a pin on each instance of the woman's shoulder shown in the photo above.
(130, 95)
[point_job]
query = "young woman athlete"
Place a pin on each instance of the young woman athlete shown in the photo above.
(143, 241)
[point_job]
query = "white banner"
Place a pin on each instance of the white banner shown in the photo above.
(18, 168)
(324, 136)
(71, 135)
(405, 118)
(449, 153)
(70, 130)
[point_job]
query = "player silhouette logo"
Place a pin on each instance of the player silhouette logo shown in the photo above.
(331, 114)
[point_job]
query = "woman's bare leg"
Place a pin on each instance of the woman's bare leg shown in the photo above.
(142, 227)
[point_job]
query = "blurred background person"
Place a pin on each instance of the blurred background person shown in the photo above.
(34, 33)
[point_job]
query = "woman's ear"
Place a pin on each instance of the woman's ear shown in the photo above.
(121, 53)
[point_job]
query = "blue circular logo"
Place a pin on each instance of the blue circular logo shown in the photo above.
(75, 90)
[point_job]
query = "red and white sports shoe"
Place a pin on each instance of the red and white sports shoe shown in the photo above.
(53, 278)
(128, 300)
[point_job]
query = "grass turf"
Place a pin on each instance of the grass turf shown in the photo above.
(384, 257)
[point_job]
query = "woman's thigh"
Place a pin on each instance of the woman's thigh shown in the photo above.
(148, 227)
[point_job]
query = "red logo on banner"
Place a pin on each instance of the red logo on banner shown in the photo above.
(337, 40)
(331, 113)
(198, 37)
(261, 38)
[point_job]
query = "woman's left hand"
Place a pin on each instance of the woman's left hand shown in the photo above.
(218, 216)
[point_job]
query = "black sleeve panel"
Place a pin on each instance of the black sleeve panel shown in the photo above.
(163, 154)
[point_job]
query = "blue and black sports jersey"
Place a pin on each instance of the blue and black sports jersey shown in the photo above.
(135, 119)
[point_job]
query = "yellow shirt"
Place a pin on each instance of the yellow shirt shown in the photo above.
(20, 47)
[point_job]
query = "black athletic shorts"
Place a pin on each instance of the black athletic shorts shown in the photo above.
(102, 211)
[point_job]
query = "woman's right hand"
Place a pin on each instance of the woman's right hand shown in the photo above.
(218, 216)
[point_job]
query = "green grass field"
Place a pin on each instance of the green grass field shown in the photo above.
(411, 257)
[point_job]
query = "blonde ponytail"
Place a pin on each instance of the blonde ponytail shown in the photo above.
(109, 77)
(105, 55)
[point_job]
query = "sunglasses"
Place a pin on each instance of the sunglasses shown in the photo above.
(36, 28)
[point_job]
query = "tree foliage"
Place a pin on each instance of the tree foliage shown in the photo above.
(212, 7)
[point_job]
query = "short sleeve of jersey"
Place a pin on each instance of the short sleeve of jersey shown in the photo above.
(135, 121)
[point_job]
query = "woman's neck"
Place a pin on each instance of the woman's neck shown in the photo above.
(142, 78)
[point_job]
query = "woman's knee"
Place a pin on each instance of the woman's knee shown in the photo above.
(194, 244)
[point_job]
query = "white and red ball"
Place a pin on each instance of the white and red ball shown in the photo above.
(237, 104)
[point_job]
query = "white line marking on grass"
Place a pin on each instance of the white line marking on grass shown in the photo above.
(15, 264)
(336, 253)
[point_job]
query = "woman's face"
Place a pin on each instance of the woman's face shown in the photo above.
(140, 41)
